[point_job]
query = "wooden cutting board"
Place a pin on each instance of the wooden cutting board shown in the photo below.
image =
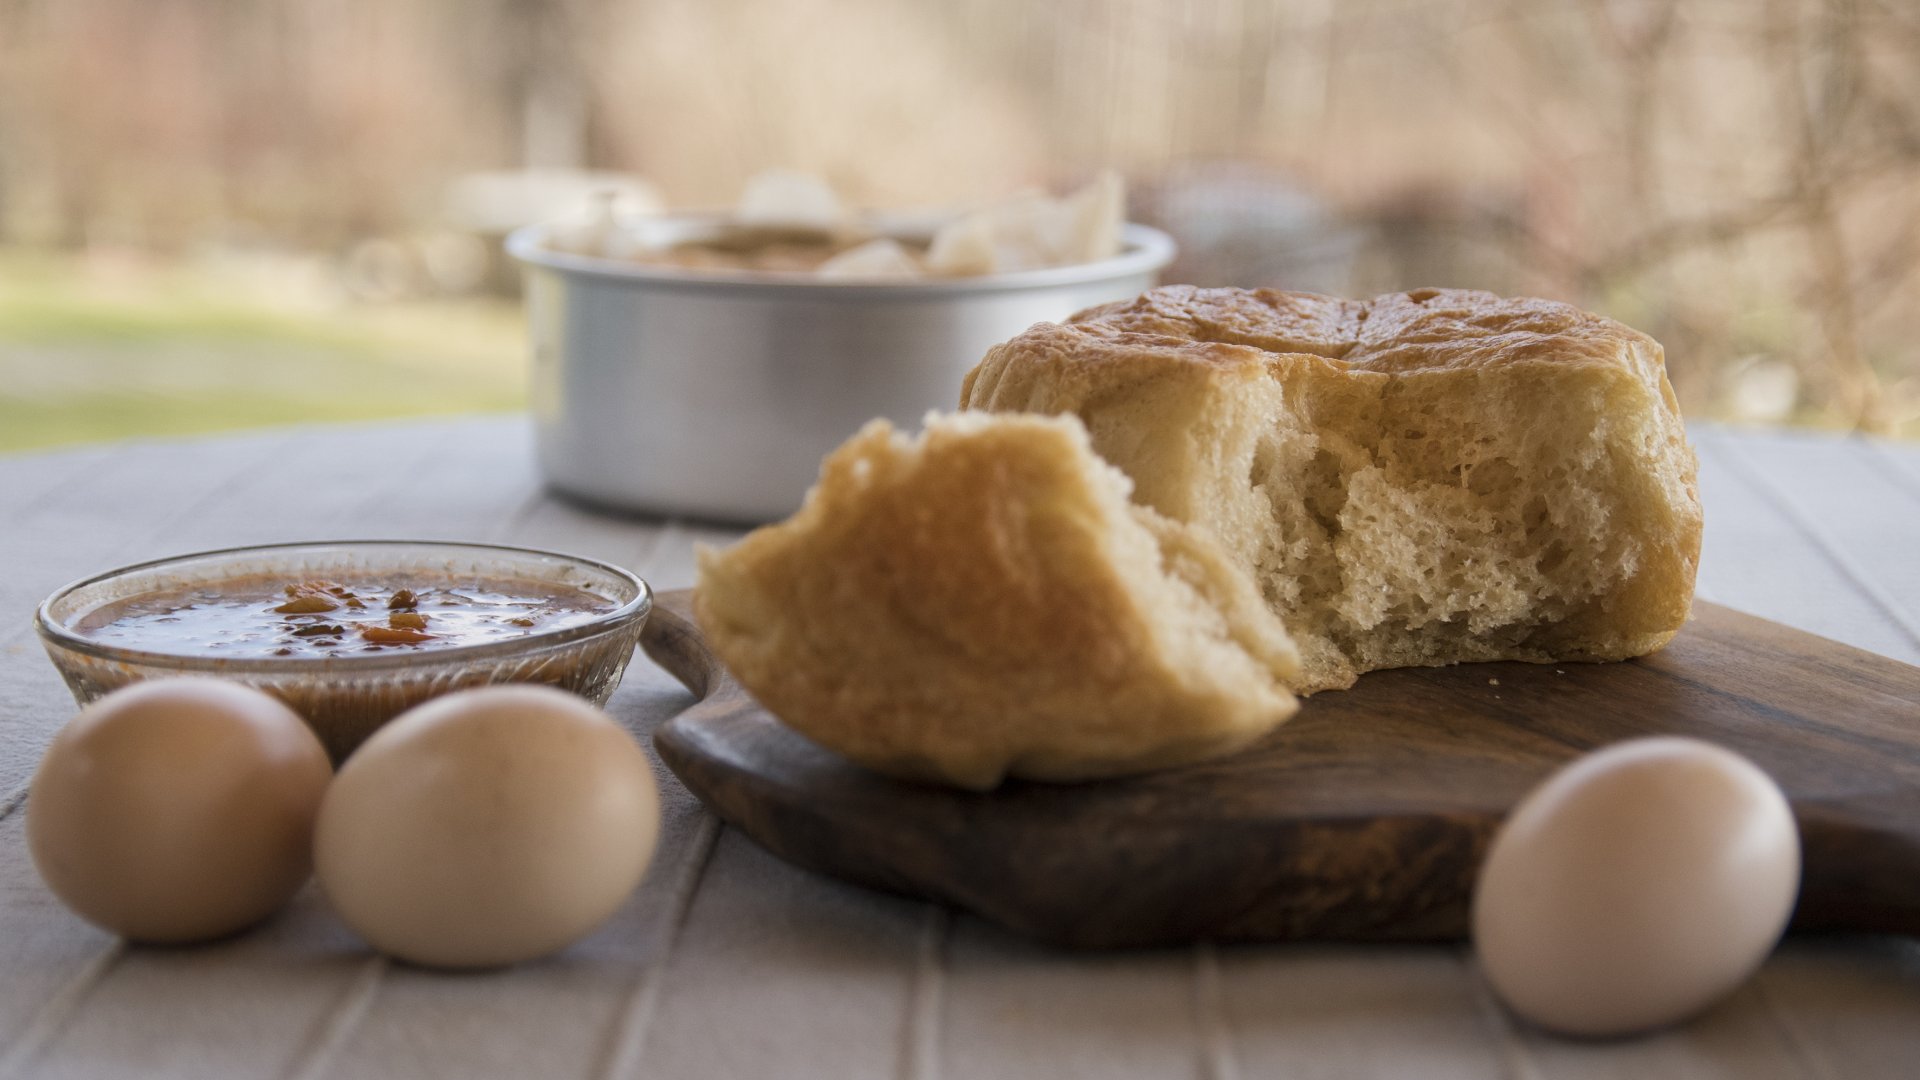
(1363, 818)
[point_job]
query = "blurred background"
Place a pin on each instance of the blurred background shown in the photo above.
(219, 215)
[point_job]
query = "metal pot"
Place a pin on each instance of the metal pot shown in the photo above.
(715, 394)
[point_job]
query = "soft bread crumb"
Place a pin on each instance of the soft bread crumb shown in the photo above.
(983, 601)
(1425, 478)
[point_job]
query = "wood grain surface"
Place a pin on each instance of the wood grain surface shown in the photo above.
(729, 962)
(1363, 818)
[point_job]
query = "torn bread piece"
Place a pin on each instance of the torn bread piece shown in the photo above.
(983, 601)
(1425, 478)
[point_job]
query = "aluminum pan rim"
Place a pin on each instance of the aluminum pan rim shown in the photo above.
(1145, 250)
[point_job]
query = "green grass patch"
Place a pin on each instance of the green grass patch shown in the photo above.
(110, 416)
(87, 355)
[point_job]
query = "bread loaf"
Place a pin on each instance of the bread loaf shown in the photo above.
(984, 601)
(1424, 478)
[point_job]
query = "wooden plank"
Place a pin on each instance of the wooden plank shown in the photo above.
(581, 1002)
(49, 961)
(1708, 583)
(114, 513)
(1899, 461)
(26, 480)
(1857, 514)
(316, 1058)
(926, 1007)
(253, 996)
(1845, 501)
(684, 947)
(627, 1041)
(1759, 561)
(106, 514)
(674, 566)
(1016, 1009)
(494, 500)
(736, 906)
(1736, 1040)
(259, 489)
(248, 1002)
(1850, 1004)
(651, 994)
(1322, 1011)
(974, 1027)
(781, 973)
(593, 1004)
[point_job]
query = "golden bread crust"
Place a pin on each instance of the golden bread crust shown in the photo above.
(1423, 330)
(984, 602)
(1424, 477)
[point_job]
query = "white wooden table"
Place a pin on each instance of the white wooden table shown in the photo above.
(728, 963)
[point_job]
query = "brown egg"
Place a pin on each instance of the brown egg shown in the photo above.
(177, 810)
(487, 827)
(1635, 887)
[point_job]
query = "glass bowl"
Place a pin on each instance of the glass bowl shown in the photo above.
(346, 697)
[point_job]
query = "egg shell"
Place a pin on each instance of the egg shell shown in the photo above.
(487, 827)
(1636, 887)
(177, 810)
